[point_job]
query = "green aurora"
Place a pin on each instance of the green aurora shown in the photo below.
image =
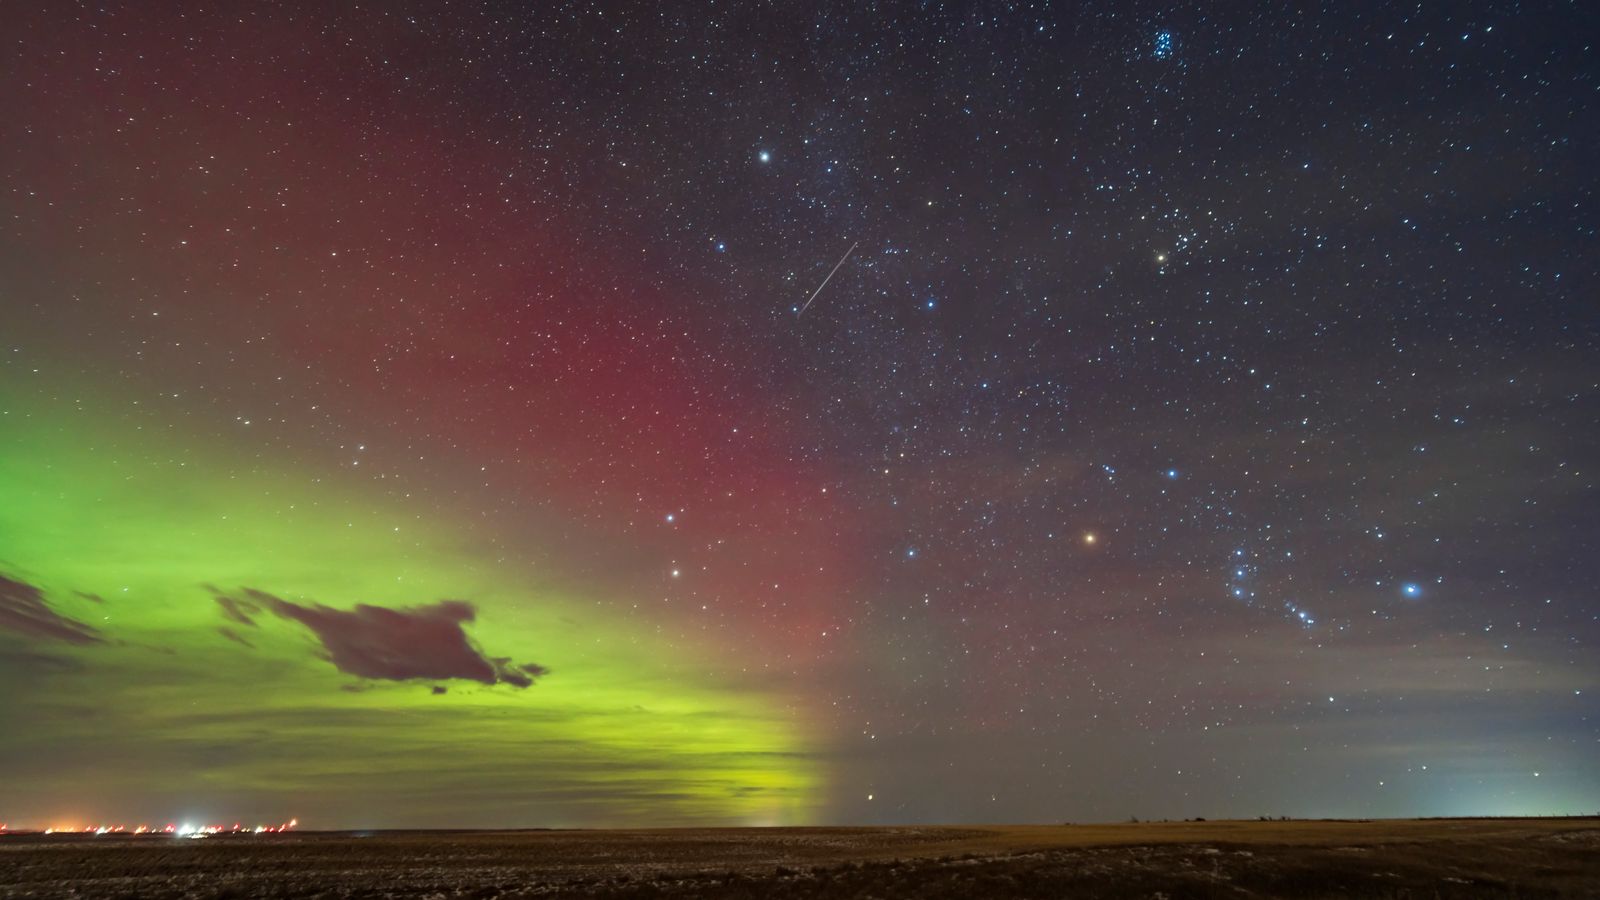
(133, 529)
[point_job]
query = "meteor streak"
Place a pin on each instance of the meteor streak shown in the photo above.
(825, 281)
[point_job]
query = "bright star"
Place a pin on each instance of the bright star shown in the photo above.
(1411, 590)
(764, 156)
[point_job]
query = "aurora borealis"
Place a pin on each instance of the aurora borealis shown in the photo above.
(406, 417)
(229, 694)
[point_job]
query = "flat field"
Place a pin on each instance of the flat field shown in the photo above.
(1521, 858)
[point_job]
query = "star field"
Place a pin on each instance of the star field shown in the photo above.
(1195, 410)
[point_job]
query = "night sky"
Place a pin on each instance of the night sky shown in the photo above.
(408, 416)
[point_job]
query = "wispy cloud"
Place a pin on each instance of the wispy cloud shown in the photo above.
(23, 611)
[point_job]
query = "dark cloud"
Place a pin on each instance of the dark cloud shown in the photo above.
(241, 611)
(421, 642)
(234, 636)
(440, 689)
(94, 598)
(24, 611)
(522, 675)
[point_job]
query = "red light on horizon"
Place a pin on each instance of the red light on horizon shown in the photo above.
(171, 828)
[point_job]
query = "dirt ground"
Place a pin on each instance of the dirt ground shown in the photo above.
(1522, 858)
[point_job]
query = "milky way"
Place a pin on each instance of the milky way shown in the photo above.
(406, 417)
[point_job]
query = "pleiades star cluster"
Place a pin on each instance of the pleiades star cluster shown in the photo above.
(491, 414)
